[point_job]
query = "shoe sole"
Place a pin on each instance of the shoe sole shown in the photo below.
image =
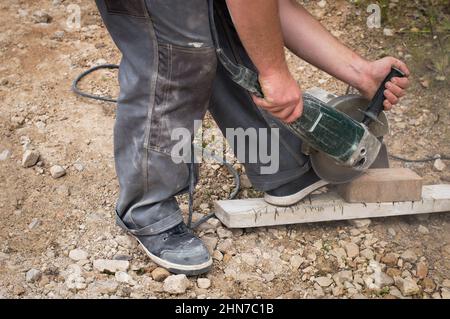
(294, 198)
(188, 270)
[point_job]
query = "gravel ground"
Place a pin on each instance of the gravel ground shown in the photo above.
(58, 187)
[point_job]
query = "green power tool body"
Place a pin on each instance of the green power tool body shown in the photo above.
(342, 136)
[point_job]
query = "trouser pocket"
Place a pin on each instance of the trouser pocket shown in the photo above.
(183, 90)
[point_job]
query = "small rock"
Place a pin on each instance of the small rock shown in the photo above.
(217, 255)
(296, 261)
(383, 280)
(3, 256)
(445, 293)
(111, 266)
(160, 274)
(57, 171)
(30, 158)
(176, 284)
(78, 254)
(4, 155)
(390, 259)
(423, 230)
(104, 286)
(79, 167)
(409, 256)
(392, 232)
(75, 282)
(388, 32)
(360, 223)
(439, 165)
(214, 222)
(203, 283)
(352, 250)
(407, 286)
(33, 275)
(368, 254)
(245, 182)
(446, 283)
(421, 270)
(342, 277)
(40, 16)
(34, 223)
(124, 277)
(322, 3)
(428, 285)
(324, 281)
(224, 233)
(210, 243)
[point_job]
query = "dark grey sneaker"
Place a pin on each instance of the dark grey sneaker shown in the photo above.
(178, 250)
(295, 191)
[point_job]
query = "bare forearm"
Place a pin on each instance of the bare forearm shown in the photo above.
(258, 25)
(309, 40)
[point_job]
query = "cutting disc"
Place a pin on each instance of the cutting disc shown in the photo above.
(326, 167)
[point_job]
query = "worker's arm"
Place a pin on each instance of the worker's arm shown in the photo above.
(309, 40)
(258, 25)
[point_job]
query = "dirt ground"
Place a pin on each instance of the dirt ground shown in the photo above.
(54, 230)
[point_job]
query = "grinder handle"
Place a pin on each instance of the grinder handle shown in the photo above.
(376, 105)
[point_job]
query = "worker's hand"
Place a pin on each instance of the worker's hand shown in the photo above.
(282, 96)
(377, 72)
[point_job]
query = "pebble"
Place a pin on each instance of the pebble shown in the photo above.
(407, 286)
(78, 254)
(368, 254)
(214, 222)
(4, 155)
(30, 158)
(423, 230)
(360, 223)
(217, 255)
(75, 282)
(439, 165)
(383, 280)
(324, 281)
(104, 286)
(392, 232)
(203, 283)
(388, 32)
(33, 275)
(428, 285)
(342, 277)
(409, 256)
(296, 261)
(322, 3)
(351, 249)
(176, 284)
(34, 223)
(79, 167)
(210, 243)
(421, 270)
(124, 277)
(40, 16)
(160, 274)
(390, 259)
(445, 293)
(446, 283)
(224, 233)
(245, 182)
(57, 171)
(111, 266)
(3, 256)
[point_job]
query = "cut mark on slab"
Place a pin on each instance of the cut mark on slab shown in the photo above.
(243, 213)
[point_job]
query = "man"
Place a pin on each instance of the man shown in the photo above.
(169, 77)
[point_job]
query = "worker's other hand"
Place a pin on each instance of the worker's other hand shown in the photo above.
(377, 72)
(282, 96)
